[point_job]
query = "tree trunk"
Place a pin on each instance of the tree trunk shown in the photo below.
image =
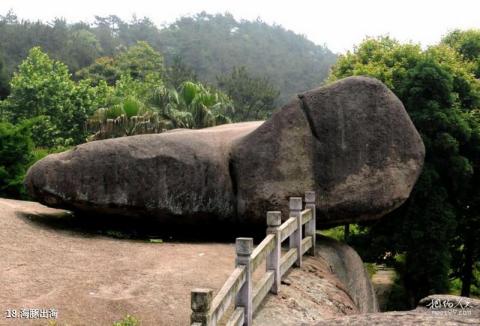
(467, 270)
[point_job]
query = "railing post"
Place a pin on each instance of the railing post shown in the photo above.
(201, 300)
(274, 220)
(244, 248)
(295, 205)
(311, 226)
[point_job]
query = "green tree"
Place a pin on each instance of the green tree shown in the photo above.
(103, 69)
(15, 156)
(140, 62)
(82, 49)
(106, 30)
(4, 87)
(467, 43)
(126, 118)
(178, 72)
(137, 30)
(439, 92)
(43, 87)
(206, 106)
(466, 250)
(253, 97)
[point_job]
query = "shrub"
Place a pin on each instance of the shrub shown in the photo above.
(127, 321)
(15, 155)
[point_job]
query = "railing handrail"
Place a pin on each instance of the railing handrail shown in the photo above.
(227, 293)
(262, 250)
(288, 227)
(306, 215)
(207, 311)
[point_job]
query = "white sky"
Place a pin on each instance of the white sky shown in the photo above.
(340, 24)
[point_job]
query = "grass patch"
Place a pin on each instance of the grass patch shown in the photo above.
(337, 233)
(371, 269)
(127, 321)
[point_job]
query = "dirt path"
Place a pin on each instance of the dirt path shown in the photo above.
(50, 260)
(95, 280)
(382, 281)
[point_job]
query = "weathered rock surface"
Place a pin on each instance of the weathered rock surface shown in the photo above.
(347, 265)
(444, 304)
(436, 310)
(352, 142)
(334, 283)
(398, 318)
(182, 173)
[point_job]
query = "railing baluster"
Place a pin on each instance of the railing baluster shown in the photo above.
(310, 227)
(241, 283)
(295, 205)
(274, 220)
(244, 248)
(200, 300)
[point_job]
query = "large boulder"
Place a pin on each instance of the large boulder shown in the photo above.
(181, 174)
(352, 142)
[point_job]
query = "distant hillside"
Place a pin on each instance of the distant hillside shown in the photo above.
(210, 45)
(213, 44)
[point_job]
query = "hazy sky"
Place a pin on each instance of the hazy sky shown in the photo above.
(340, 24)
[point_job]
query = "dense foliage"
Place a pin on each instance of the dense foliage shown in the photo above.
(4, 87)
(440, 220)
(192, 106)
(467, 43)
(15, 155)
(214, 44)
(61, 84)
(123, 95)
(42, 89)
(253, 97)
(140, 62)
(210, 45)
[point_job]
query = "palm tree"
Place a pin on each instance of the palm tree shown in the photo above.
(207, 107)
(193, 106)
(167, 103)
(129, 117)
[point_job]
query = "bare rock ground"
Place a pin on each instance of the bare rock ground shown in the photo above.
(95, 280)
(335, 283)
(307, 295)
(399, 318)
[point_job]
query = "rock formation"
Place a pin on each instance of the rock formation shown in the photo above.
(180, 174)
(351, 141)
(334, 283)
(439, 310)
(347, 265)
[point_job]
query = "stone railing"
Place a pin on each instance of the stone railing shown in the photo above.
(239, 288)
